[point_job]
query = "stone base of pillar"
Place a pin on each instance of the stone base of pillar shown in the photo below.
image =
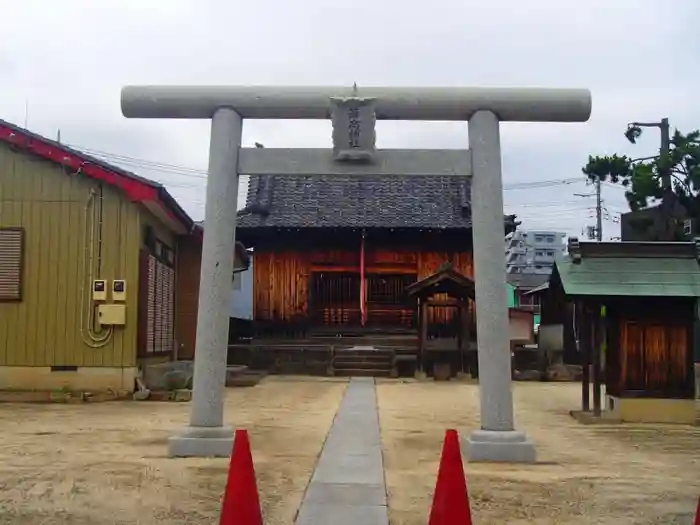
(201, 442)
(500, 446)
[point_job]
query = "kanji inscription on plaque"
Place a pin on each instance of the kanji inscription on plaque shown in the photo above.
(354, 135)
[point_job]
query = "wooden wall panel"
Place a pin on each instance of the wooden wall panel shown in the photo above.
(189, 262)
(429, 263)
(343, 258)
(188, 268)
(679, 354)
(654, 357)
(380, 256)
(281, 278)
(280, 289)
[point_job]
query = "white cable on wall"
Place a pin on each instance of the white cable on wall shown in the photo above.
(89, 337)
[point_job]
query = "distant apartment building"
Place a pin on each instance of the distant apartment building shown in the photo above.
(533, 252)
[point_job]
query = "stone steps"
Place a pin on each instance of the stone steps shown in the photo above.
(349, 372)
(362, 365)
(384, 358)
(363, 362)
(364, 351)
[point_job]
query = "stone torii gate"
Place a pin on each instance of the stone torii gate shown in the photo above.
(354, 113)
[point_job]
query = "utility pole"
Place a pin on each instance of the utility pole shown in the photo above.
(634, 130)
(665, 152)
(598, 209)
(668, 199)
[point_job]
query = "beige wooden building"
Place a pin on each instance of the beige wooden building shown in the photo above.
(70, 223)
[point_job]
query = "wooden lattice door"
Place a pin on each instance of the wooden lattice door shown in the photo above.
(157, 306)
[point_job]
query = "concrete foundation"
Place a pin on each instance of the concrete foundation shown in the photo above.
(651, 410)
(201, 442)
(500, 446)
(155, 375)
(85, 378)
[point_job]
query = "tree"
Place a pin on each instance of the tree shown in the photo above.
(511, 223)
(643, 178)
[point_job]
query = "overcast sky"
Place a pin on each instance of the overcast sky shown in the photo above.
(62, 65)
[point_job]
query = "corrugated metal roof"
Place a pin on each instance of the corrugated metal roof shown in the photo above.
(168, 200)
(525, 281)
(631, 276)
(539, 288)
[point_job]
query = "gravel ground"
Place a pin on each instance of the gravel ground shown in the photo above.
(105, 463)
(612, 474)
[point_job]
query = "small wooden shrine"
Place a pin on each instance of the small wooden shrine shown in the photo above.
(446, 288)
(632, 310)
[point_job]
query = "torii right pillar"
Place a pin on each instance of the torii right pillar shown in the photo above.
(497, 440)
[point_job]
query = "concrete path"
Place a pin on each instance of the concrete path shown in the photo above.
(347, 487)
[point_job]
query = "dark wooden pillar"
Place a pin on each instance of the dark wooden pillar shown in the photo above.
(460, 324)
(584, 341)
(609, 368)
(467, 342)
(596, 348)
(460, 332)
(695, 345)
(423, 337)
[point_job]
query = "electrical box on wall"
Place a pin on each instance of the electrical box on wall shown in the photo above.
(119, 290)
(99, 290)
(111, 314)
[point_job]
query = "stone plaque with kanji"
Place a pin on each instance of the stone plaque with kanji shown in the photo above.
(354, 121)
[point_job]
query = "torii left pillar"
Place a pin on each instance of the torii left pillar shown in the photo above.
(206, 435)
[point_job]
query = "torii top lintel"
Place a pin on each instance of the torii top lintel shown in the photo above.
(392, 103)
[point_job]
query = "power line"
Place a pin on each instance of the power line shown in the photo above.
(542, 204)
(541, 184)
(197, 173)
(553, 213)
(149, 164)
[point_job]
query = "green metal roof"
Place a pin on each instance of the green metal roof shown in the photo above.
(631, 276)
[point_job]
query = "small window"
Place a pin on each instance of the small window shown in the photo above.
(550, 238)
(11, 250)
(167, 255)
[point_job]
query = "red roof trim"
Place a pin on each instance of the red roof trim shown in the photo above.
(135, 190)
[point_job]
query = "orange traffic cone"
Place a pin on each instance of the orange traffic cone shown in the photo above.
(241, 505)
(451, 501)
